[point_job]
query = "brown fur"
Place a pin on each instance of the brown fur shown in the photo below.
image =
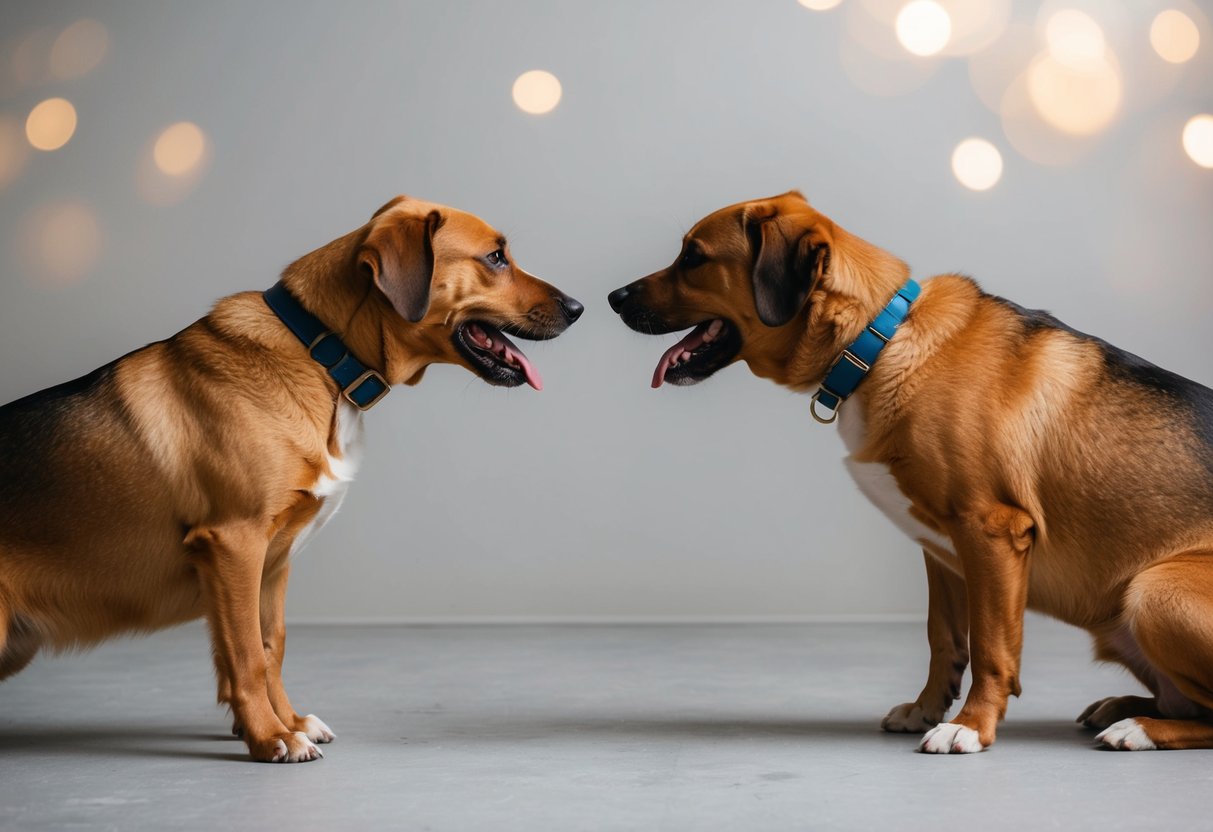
(171, 484)
(1068, 478)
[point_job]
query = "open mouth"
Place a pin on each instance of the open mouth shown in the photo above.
(495, 357)
(707, 348)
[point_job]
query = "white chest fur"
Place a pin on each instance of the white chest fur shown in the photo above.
(879, 485)
(331, 489)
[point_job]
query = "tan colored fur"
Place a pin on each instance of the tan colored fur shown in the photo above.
(1061, 488)
(175, 486)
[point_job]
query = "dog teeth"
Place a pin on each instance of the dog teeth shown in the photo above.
(488, 342)
(714, 329)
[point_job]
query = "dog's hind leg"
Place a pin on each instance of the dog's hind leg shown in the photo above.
(1118, 645)
(1169, 613)
(19, 642)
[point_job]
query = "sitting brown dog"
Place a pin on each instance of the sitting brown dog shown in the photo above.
(1035, 465)
(176, 482)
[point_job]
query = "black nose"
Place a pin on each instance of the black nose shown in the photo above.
(617, 297)
(572, 309)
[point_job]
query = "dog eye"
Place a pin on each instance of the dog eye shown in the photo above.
(691, 258)
(496, 258)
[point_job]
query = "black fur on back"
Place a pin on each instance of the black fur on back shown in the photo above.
(1189, 397)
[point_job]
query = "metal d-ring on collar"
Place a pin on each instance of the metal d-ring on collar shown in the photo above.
(361, 386)
(855, 362)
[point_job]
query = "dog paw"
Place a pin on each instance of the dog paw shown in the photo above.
(315, 729)
(909, 718)
(1126, 735)
(950, 738)
(285, 748)
(1105, 712)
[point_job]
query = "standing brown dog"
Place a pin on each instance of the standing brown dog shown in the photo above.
(1035, 465)
(176, 481)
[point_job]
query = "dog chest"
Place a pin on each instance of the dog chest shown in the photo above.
(330, 489)
(878, 484)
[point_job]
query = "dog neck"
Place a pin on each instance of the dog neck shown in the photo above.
(941, 313)
(857, 286)
(330, 285)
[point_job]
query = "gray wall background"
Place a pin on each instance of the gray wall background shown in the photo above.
(597, 498)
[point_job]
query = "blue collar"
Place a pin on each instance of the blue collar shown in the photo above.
(361, 386)
(855, 362)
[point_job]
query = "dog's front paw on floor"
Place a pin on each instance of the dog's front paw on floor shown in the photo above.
(1126, 735)
(950, 738)
(315, 729)
(909, 718)
(294, 747)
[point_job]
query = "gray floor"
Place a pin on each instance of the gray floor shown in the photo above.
(574, 728)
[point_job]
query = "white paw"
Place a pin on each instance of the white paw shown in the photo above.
(950, 738)
(299, 750)
(909, 718)
(1126, 735)
(316, 730)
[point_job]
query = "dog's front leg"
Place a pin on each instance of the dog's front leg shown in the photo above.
(948, 636)
(993, 545)
(229, 560)
(273, 634)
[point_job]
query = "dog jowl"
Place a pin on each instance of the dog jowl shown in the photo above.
(175, 483)
(1036, 466)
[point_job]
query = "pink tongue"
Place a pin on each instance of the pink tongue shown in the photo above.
(532, 375)
(692, 341)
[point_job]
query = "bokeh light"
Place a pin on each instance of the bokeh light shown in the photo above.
(79, 49)
(51, 124)
(30, 62)
(871, 55)
(993, 70)
(923, 27)
(179, 149)
(1174, 36)
(537, 92)
(1033, 138)
(975, 25)
(977, 164)
(819, 5)
(1076, 99)
(1074, 38)
(172, 163)
(1198, 139)
(63, 241)
(14, 150)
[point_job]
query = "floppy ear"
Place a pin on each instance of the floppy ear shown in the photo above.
(785, 268)
(399, 253)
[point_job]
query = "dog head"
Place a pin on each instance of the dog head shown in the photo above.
(452, 290)
(747, 280)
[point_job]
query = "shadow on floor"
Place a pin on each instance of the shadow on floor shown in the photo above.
(111, 740)
(724, 728)
(154, 741)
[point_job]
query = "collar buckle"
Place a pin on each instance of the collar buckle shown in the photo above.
(350, 392)
(359, 385)
(842, 379)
